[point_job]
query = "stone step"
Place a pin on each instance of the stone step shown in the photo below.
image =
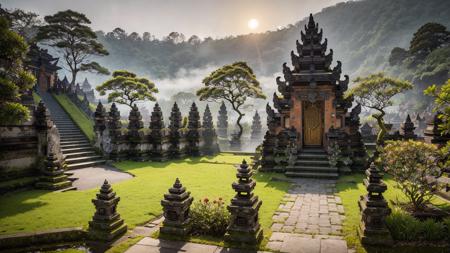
(312, 175)
(76, 149)
(72, 136)
(318, 163)
(84, 164)
(79, 142)
(69, 146)
(313, 151)
(65, 140)
(80, 154)
(82, 159)
(311, 169)
(312, 156)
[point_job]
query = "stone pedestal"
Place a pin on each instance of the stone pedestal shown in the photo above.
(176, 205)
(244, 227)
(106, 225)
(282, 151)
(52, 175)
(374, 210)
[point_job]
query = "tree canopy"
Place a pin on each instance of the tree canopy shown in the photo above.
(14, 80)
(442, 103)
(126, 88)
(233, 83)
(69, 33)
(375, 92)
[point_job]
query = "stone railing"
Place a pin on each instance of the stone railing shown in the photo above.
(77, 96)
(157, 144)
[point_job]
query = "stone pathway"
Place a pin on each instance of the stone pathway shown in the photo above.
(150, 245)
(309, 219)
(93, 177)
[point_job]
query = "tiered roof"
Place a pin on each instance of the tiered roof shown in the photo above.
(39, 58)
(311, 67)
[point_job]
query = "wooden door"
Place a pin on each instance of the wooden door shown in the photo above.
(313, 123)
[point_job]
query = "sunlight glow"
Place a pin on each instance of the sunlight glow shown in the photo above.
(253, 23)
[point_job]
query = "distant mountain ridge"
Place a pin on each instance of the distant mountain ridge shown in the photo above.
(361, 34)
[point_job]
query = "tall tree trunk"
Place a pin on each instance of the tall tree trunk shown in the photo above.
(241, 129)
(383, 130)
(74, 77)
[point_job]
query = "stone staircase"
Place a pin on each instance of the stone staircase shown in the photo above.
(312, 163)
(75, 145)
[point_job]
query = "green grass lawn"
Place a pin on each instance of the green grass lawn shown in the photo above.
(140, 196)
(350, 188)
(81, 119)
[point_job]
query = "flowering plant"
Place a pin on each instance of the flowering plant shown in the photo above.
(209, 217)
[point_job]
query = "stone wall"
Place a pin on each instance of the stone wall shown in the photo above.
(23, 147)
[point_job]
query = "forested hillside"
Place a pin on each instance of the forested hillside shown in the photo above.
(361, 33)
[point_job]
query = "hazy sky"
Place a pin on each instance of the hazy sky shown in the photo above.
(215, 18)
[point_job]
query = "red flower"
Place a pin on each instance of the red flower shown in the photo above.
(206, 200)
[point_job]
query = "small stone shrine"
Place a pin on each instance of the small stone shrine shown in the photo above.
(157, 135)
(374, 210)
(176, 205)
(175, 134)
(135, 135)
(244, 227)
(52, 175)
(256, 134)
(407, 129)
(209, 137)
(433, 134)
(115, 132)
(193, 133)
(222, 122)
(106, 225)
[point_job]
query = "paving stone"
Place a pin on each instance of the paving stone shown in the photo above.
(276, 227)
(275, 246)
(296, 244)
(276, 236)
(333, 246)
(288, 229)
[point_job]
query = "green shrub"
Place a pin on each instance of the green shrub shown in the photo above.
(403, 226)
(209, 217)
(446, 223)
(432, 230)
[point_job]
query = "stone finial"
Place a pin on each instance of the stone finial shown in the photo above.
(100, 118)
(244, 225)
(193, 133)
(176, 205)
(52, 174)
(407, 129)
(222, 122)
(374, 210)
(115, 132)
(256, 128)
(106, 224)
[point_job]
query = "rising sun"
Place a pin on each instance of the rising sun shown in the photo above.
(253, 23)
